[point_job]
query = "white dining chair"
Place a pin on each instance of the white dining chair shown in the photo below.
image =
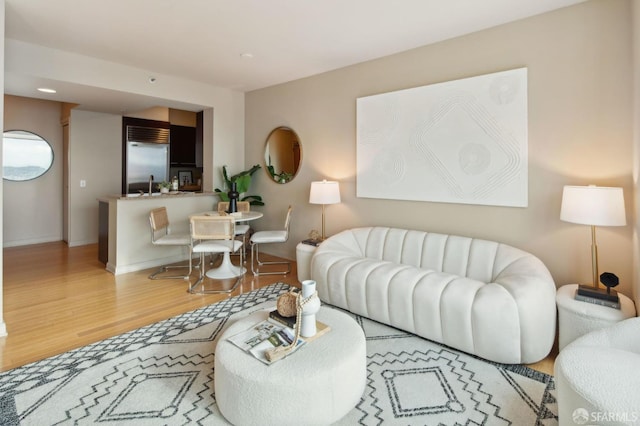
(270, 237)
(242, 229)
(161, 235)
(213, 234)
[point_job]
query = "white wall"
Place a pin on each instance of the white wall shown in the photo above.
(95, 156)
(3, 327)
(580, 132)
(33, 209)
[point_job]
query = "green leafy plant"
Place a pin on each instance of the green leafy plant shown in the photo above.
(242, 181)
(164, 184)
(282, 177)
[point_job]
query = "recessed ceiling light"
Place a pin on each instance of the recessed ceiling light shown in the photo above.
(246, 55)
(46, 90)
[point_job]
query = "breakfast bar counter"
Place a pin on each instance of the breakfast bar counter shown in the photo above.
(125, 233)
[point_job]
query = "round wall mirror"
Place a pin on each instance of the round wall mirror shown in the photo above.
(282, 155)
(25, 155)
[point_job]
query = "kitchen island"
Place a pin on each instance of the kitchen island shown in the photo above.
(125, 236)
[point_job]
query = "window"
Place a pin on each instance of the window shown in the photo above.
(25, 155)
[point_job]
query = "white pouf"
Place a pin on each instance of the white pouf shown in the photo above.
(577, 318)
(318, 384)
(597, 376)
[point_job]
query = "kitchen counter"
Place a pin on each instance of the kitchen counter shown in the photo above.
(125, 227)
(156, 195)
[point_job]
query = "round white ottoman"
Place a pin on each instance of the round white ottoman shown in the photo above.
(597, 377)
(317, 384)
(577, 318)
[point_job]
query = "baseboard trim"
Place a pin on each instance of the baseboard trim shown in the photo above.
(156, 263)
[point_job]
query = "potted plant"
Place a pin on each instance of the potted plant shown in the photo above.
(282, 177)
(164, 187)
(242, 182)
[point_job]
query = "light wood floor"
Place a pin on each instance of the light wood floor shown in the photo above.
(58, 298)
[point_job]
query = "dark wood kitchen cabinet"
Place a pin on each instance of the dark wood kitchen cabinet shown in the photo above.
(182, 150)
(103, 232)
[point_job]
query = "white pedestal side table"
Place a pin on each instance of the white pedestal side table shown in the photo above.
(318, 384)
(577, 318)
(304, 253)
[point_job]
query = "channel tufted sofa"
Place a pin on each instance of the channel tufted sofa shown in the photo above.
(482, 297)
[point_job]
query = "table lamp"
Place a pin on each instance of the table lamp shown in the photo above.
(324, 192)
(595, 206)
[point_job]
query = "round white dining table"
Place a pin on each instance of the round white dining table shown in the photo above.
(227, 269)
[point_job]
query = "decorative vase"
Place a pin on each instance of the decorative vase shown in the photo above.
(233, 198)
(311, 306)
(164, 190)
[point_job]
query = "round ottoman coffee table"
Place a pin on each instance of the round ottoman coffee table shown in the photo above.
(317, 384)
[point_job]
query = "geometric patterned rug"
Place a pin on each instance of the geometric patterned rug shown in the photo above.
(415, 381)
(163, 374)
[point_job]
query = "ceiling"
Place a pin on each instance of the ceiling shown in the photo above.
(246, 44)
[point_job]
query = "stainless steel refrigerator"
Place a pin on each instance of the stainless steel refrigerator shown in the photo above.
(147, 155)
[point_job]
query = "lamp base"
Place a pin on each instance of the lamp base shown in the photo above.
(597, 293)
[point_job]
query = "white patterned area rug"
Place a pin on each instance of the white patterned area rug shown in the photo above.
(163, 374)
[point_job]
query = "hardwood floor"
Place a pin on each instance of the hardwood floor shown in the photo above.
(58, 298)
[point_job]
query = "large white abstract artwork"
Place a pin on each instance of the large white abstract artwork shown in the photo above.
(463, 141)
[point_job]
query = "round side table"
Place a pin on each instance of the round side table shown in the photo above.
(577, 318)
(304, 253)
(316, 385)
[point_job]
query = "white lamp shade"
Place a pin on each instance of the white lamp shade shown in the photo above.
(593, 205)
(324, 192)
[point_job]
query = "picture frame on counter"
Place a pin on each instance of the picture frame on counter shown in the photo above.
(185, 177)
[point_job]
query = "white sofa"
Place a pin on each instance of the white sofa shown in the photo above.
(478, 296)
